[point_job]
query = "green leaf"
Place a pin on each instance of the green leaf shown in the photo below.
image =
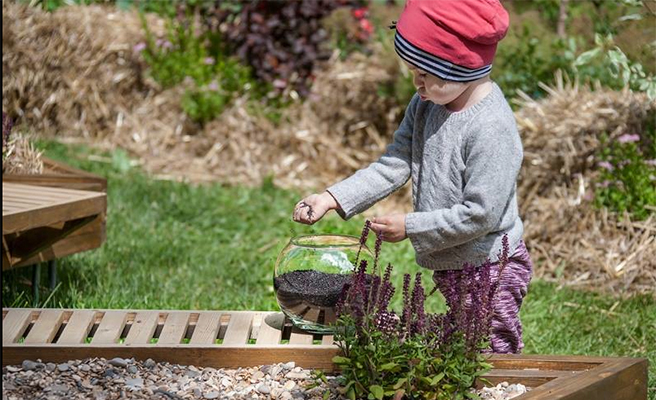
(388, 366)
(437, 378)
(377, 391)
(400, 383)
(351, 393)
(341, 360)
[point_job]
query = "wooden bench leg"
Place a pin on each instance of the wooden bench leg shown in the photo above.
(36, 278)
(52, 274)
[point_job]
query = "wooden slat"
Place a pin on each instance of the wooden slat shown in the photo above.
(78, 204)
(77, 328)
(299, 337)
(327, 340)
(174, 328)
(45, 327)
(207, 328)
(239, 328)
(143, 327)
(110, 328)
(14, 324)
(270, 331)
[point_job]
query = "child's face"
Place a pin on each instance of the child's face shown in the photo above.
(435, 89)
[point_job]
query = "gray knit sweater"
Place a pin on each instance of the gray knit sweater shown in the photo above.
(464, 168)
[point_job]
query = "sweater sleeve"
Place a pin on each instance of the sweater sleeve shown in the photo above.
(492, 158)
(392, 170)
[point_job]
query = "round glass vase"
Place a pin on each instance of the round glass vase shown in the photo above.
(309, 275)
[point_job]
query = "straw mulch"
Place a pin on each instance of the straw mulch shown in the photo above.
(572, 241)
(73, 74)
(21, 157)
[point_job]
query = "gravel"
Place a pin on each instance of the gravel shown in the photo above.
(118, 378)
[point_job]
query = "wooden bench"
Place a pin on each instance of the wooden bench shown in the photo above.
(42, 224)
(231, 339)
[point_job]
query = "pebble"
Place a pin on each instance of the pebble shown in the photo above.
(29, 365)
(63, 367)
(109, 372)
(192, 373)
(118, 362)
(98, 378)
(264, 389)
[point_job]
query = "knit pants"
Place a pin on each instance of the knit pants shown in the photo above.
(506, 329)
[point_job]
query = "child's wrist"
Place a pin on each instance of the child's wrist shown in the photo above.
(330, 200)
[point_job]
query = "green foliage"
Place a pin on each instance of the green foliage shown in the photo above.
(376, 366)
(525, 62)
(627, 179)
(607, 63)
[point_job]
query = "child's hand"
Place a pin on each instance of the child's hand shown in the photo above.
(391, 228)
(313, 208)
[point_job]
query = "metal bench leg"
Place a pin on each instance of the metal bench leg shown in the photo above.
(36, 278)
(52, 274)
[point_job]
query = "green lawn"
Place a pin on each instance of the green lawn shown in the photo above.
(177, 246)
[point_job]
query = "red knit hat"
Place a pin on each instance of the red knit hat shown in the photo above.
(452, 39)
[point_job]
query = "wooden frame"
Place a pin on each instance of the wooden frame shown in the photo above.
(35, 219)
(245, 338)
(87, 236)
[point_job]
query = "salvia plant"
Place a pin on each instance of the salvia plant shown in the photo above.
(414, 354)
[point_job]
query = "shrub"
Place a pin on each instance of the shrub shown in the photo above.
(627, 172)
(414, 353)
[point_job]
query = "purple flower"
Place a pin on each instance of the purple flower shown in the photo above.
(167, 45)
(209, 61)
(651, 162)
(139, 47)
(628, 138)
(603, 184)
(214, 86)
(606, 165)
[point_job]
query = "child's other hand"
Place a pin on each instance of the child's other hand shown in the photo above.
(313, 208)
(391, 228)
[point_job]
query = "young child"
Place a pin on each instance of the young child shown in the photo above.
(459, 144)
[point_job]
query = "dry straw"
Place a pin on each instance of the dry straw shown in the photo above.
(73, 74)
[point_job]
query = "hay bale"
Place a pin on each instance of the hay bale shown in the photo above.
(571, 241)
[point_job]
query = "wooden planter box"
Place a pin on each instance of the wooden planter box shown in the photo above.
(230, 339)
(59, 175)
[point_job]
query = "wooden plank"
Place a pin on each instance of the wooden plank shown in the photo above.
(239, 329)
(216, 356)
(299, 337)
(548, 362)
(80, 204)
(327, 340)
(174, 328)
(56, 174)
(110, 328)
(45, 327)
(270, 332)
(207, 328)
(77, 328)
(531, 378)
(143, 328)
(14, 324)
(620, 379)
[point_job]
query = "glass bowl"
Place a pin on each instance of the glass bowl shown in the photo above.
(309, 275)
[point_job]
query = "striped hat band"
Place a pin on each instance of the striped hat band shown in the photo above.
(435, 65)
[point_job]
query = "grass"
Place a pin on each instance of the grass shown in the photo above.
(173, 245)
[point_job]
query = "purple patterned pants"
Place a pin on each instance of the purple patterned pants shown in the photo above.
(506, 330)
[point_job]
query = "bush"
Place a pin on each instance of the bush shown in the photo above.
(627, 172)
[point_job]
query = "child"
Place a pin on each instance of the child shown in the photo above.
(459, 144)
